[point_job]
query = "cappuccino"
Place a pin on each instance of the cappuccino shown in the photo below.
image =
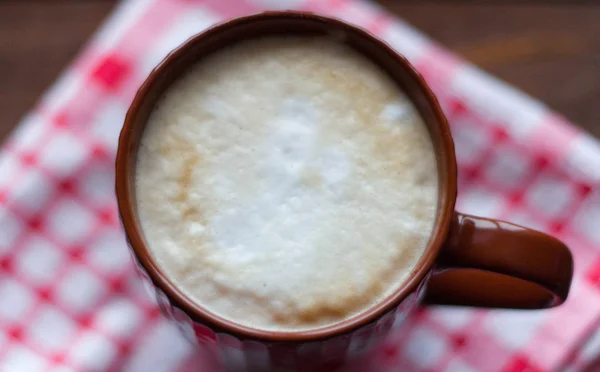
(286, 184)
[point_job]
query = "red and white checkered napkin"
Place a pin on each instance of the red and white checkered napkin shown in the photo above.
(71, 301)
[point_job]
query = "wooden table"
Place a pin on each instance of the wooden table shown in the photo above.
(548, 49)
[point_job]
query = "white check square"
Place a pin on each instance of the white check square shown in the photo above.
(11, 229)
(80, 290)
(39, 261)
(96, 183)
(19, 358)
(93, 352)
(550, 195)
(508, 168)
(16, 300)
(587, 217)
(70, 222)
(63, 155)
(513, 328)
(425, 348)
(31, 192)
(51, 330)
(109, 252)
(119, 318)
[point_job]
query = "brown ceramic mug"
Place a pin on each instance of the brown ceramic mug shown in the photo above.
(469, 260)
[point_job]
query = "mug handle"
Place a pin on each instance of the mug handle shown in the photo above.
(491, 263)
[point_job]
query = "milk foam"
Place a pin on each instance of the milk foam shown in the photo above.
(286, 184)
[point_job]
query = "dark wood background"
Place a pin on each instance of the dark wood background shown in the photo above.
(549, 49)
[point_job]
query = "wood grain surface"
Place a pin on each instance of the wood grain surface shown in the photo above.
(548, 49)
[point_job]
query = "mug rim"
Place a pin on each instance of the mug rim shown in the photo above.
(446, 195)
